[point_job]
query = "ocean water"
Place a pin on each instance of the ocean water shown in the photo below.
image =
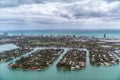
(90, 73)
(89, 33)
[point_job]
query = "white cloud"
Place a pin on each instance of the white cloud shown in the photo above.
(83, 11)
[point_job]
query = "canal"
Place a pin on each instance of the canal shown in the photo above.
(90, 73)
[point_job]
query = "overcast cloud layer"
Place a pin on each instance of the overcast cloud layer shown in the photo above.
(81, 12)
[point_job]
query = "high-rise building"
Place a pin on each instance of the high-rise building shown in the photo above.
(5, 34)
(104, 35)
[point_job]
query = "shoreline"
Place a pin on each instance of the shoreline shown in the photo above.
(82, 49)
(99, 49)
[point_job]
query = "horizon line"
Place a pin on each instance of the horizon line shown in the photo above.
(55, 29)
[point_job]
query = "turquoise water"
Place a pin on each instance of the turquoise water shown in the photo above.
(90, 73)
(90, 33)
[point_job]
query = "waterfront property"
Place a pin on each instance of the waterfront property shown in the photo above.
(102, 56)
(73, 60)
(117, 52)
(38, 60)
(9, 55)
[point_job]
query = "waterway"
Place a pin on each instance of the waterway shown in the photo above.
(90, 73)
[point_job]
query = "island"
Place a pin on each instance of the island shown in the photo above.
(38, 60)
(102, 56)
(9, 55)
(73, 60)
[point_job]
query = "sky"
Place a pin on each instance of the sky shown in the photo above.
(59, 14)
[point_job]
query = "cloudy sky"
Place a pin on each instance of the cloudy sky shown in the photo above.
(59, 14)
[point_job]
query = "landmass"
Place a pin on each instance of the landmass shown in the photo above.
(102, 51)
